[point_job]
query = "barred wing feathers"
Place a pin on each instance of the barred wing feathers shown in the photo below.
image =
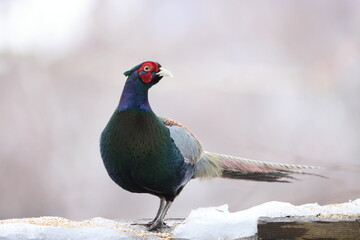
(184, 139)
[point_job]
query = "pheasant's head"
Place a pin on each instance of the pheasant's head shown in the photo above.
(148, 73)
(140, 79)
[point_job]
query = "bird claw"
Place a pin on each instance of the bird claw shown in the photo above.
(151, 226)
(157, 225)
(144, 224)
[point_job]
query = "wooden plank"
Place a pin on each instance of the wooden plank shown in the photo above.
(309, 228)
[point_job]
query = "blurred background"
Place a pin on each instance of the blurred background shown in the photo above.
(269, 80)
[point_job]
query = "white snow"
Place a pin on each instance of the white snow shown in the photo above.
(219, 223)
(56, 228)
(203, 223)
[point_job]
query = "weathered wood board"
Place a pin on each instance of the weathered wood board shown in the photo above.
(309, 228)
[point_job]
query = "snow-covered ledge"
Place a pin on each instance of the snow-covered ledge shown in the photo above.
(203, 223)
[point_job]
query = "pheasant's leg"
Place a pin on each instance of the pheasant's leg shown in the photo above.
(159, 222)
(161, 208)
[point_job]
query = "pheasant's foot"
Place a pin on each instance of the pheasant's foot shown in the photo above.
(144, 224)
(157, 225)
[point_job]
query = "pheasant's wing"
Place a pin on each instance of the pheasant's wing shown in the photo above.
(184, 140)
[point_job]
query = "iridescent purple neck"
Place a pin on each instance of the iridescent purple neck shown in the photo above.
(134, 96)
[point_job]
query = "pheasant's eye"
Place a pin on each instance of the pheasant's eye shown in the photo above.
(146, 68)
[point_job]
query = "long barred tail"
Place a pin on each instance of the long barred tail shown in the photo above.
(220, 165)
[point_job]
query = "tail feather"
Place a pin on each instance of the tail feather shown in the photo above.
(220, 165)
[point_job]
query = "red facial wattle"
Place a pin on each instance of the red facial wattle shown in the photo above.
(145, 71)
(146, 78)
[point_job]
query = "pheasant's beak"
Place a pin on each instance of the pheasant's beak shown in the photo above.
(164, 73)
